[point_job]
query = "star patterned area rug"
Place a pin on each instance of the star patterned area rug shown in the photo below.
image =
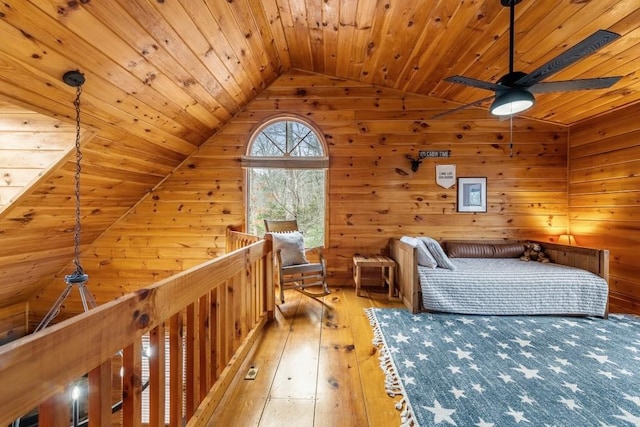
(467, 370)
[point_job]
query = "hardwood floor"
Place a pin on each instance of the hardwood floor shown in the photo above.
(316, 365)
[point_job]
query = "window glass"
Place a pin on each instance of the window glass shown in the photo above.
(287, 191)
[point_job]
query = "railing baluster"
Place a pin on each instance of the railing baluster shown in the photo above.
(100, 385)
(157, 376)
(215, 334)
(193, 388)
(132, 385)
(176, 369)
(205, 342)
(55, 411)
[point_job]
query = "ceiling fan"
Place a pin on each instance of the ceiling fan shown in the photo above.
(513, 92)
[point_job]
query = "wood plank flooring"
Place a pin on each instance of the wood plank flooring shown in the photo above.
(316, 367)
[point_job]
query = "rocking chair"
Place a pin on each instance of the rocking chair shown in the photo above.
(292, 260)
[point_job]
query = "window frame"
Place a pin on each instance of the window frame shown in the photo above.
(285, 162)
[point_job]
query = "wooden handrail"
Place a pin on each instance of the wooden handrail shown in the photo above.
(238, 239)
(217, 309)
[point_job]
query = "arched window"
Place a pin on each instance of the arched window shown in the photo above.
(286, 166)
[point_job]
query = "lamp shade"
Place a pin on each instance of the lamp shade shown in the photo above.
(512, 101)
(567, 239)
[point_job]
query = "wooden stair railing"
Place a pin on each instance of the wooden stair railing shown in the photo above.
(237, 239)
(218, 309)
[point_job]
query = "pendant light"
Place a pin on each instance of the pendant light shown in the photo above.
(78, 277)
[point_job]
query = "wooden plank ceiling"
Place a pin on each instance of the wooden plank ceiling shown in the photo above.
(164, 75)
(30, 144)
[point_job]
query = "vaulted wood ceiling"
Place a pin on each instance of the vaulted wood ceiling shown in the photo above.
(164, 75)
(181, 68)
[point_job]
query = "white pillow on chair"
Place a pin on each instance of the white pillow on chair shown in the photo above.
(291, 245)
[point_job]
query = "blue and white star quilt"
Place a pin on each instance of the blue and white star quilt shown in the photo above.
(466, 370)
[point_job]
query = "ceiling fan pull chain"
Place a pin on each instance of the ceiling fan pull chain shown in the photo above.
(511, 136)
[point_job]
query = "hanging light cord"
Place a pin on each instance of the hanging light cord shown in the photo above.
(79, 272)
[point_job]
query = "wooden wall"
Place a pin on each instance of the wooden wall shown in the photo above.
(373, 194)
(604, 196)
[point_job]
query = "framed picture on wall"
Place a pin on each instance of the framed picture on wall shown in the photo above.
(472, 194)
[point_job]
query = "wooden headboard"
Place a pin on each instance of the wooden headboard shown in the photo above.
(408, 282)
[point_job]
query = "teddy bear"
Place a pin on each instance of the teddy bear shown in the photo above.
(534, 252)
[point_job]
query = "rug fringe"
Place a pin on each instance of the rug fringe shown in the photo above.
(393, 385)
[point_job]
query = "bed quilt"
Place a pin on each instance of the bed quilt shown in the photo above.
(508, 286)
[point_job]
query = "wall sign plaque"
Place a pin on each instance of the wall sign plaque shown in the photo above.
(428, 154)
(446, 175)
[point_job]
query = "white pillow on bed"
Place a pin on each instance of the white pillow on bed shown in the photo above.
(436, 250)
(425, 258)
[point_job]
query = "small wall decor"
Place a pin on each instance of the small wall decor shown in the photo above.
(415, 163)
(446, 175)
(472, 194)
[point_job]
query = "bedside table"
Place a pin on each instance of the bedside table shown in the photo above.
(386, 264)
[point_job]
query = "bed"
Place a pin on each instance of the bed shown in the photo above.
(532, 288)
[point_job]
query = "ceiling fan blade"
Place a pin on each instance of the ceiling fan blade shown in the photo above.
(586, 47)
(462, 107)
(474, 82)
(569, 85)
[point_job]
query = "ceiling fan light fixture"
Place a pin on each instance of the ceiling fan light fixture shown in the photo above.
(512, 101)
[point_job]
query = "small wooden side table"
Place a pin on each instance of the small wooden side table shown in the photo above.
(386, 264)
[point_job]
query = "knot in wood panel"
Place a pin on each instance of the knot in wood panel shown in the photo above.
(141, 319)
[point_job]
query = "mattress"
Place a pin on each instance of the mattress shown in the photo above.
(508, 286)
